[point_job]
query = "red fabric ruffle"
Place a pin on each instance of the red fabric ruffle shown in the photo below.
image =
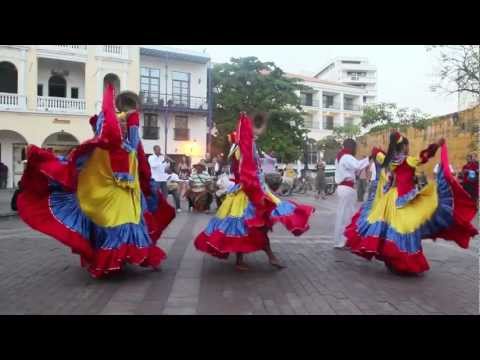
(109, 260)
(385, 250)
(297, 222)
(219, 245)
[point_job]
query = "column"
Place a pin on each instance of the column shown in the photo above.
(32, 79)
(341, 110)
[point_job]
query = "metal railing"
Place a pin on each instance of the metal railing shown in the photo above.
(118, 51)
(352, 107)
(334, 105)
(10, 101)
(181, 134)
(173, 101)
(77, 49)
(59, 104)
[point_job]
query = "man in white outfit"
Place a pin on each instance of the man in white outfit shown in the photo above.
(346, 168)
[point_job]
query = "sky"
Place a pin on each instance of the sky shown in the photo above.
(404, 72)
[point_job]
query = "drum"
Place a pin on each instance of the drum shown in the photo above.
(273, 181)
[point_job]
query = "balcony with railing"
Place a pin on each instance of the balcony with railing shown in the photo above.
(352, 107)
(68, 50)
(359, 79)
(60, 104)
(172, 102)
(181, 134)
(12, 102)
(114, 51)
(331, 106)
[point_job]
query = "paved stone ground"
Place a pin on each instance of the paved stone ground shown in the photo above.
(41, 276)
(5, 198)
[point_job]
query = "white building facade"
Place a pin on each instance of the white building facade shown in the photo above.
(173, 87)
(352, 71)
(328, 105)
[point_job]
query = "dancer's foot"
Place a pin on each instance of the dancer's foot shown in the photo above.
(241, 267)
(276, 264)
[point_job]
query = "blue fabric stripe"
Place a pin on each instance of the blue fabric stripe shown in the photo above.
(411, 242)
(99, 124)
(65, 208)
(406, 198)
(123, 176)
(235, 226)
(133, 137)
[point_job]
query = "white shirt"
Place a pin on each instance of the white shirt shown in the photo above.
(224, 184)
(158, 166)
(173, 177)
(348, 167)
(373, 171)
(268, 164)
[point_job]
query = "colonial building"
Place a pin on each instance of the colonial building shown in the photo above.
(48, 93)
(173, 87)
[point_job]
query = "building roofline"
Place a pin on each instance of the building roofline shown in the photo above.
(340, 58)
(175, 54)
(315, 80)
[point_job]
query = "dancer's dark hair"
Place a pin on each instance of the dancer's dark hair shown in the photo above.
(396, 144)
(351, 145)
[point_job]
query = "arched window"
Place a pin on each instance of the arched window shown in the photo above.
(57, 86)
(8, 78)
(112, 79)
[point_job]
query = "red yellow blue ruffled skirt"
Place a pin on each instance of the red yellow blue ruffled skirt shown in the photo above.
(236, 228)
(391, 230)
(83, 205)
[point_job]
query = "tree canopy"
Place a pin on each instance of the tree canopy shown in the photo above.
(459, 68)
(250, 85)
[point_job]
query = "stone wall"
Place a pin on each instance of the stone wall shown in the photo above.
(459, 129)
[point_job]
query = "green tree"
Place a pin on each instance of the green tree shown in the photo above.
(346, 131)
(387, 115)
(378, 114)
(247, 84)
(330, 146)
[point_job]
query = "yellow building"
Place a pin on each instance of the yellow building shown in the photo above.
(48, 93)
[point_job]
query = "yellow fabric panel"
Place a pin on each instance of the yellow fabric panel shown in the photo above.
(380, 158)
(411, 216)
(234, 205)
(102, 199)
(272, 197)
(413, 161)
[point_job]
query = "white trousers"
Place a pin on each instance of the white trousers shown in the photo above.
(345, 211)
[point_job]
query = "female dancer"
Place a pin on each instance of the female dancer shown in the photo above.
(249, 209)
(397, 216)
(99, 200)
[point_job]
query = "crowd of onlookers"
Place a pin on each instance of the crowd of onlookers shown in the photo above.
(206, 182)
(199, 184)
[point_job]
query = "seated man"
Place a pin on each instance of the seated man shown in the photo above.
(199, 196)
